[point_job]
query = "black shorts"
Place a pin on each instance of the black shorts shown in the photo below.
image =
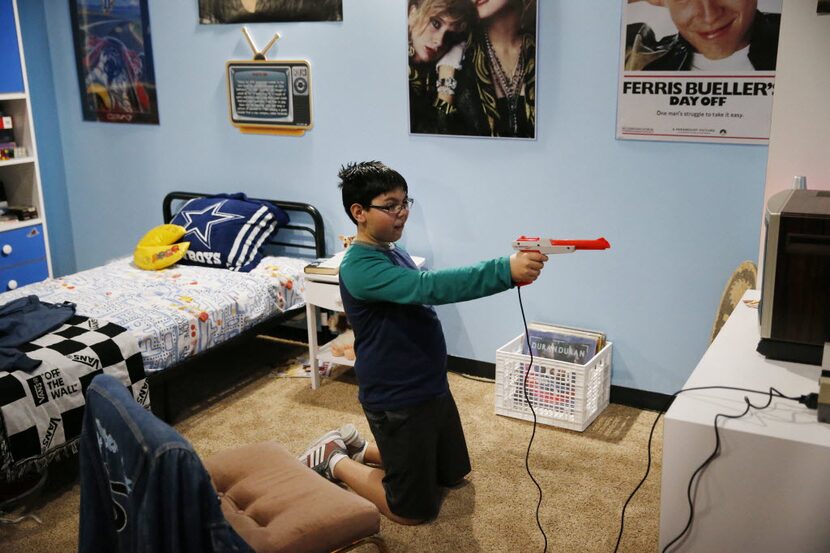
(423, 450)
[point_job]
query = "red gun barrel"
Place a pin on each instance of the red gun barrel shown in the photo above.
(598, 244)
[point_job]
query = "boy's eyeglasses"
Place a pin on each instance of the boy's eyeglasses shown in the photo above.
(395, 209)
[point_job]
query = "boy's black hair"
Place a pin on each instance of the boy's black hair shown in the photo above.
(361, 182)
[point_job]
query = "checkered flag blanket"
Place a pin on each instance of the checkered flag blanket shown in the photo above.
(41, 411)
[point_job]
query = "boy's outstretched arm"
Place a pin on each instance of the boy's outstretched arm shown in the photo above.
(375, 278)
(526, 266)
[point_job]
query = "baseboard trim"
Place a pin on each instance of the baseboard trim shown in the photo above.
(641, 399)
(631, 397)
(462, 365)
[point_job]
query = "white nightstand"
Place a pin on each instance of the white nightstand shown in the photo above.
(320, 291)
(323, 291)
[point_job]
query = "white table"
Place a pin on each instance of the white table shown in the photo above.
(323, 291)
(769, 490)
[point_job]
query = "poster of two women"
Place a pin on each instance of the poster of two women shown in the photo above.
(472, 67)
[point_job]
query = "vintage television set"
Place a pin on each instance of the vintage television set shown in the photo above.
(268, 96)
(794, 311)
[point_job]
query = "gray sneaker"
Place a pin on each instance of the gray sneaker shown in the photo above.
(355, 443)
(319, 454)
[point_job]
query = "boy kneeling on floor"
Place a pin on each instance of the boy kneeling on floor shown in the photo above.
(401, 364)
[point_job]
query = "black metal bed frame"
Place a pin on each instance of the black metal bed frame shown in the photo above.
(303, 235)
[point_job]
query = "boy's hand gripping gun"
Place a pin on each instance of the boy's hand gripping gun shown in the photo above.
(549, 246)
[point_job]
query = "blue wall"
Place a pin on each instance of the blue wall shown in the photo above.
(680, 217)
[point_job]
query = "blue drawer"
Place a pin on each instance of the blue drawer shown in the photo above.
(22, 275)
(26, 244)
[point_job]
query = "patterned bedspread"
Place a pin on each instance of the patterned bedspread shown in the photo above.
(180, 311)
(41, 410)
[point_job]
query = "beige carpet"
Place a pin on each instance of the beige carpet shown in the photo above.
(586, 476)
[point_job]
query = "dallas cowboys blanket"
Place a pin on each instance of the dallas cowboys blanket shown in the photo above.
(41, 411)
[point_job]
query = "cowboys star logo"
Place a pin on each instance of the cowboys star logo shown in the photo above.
(199, 223)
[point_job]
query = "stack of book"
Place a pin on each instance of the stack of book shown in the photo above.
(325, 266)
(562, 343)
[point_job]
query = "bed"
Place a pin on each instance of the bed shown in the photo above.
(174, 320)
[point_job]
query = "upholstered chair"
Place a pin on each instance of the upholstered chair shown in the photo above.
(145, 489)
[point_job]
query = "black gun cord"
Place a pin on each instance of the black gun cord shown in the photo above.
(533, 411)
(697, 473)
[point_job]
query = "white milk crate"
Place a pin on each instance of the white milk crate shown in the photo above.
(563, 394)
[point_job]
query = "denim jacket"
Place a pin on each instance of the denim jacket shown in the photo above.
(22, 320)
(143, 487)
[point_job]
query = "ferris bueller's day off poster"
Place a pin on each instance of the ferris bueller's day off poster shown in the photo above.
(698, 70)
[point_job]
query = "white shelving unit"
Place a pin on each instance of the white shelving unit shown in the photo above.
(24, 252)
